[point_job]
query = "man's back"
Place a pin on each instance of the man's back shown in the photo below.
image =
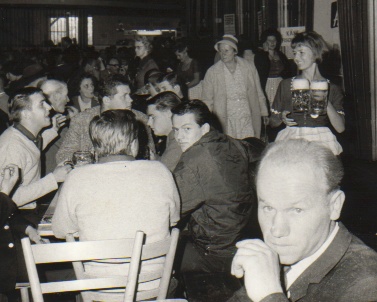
(214, 183)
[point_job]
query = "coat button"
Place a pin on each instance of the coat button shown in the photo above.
(10, 245)
(6, 227)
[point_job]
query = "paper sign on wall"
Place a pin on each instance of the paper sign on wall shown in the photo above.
(230, 24)
(288, 34)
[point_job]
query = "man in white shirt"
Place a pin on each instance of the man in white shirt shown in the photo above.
(299, 201)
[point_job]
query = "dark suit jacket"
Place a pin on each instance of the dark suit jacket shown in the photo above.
(346, 271)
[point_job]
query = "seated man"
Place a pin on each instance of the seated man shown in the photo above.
(159, 119)
(215, 186)
(113, 94)
(22, 143)
(117, 196)
(169, 82)
(57, 96)
(299, 202)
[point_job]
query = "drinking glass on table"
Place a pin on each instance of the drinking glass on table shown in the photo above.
(318, 100)
(81, 158)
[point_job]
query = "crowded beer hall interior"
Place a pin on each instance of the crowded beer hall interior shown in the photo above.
(188, 150)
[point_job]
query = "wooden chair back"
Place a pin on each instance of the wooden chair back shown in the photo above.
(161, 248)
(83, 251)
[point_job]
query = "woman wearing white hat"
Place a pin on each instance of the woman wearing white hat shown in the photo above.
(231, 89)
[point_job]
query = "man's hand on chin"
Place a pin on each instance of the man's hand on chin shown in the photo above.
(259, 265)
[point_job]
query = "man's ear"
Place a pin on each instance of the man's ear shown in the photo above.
(205, 128)
(177, 89)
(336, 204)
(25, 114)
(106, 100)
(134, 147)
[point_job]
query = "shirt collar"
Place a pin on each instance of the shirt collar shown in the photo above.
(112, 158)
(298, 268)
(37, 140)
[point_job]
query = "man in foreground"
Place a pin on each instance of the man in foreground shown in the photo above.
(119, 195)
(299, 201)
(215, 186)
(21, 144)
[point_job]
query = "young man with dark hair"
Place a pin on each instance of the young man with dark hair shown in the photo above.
(215, 186)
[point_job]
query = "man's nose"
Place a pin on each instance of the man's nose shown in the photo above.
(47, 106)
(179, 134)
(279, 226)
(149, 122)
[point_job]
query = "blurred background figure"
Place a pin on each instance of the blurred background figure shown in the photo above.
(271, 63)
(143, 49)
(85, 97)
(188, 70)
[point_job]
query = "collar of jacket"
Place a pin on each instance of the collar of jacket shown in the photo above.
(323, 265)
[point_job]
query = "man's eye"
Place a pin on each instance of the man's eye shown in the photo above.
(298, 210)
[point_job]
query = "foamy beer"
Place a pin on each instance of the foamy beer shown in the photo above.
(318, 101)
(300, 95)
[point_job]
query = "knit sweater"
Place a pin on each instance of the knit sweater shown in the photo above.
(16, 148)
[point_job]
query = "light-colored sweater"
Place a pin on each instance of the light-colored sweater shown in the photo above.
(77, 137)
(16, 148)
(113, 200)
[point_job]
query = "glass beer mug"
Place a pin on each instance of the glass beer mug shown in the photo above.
(81, 158)
(300, 95)
(318, 98)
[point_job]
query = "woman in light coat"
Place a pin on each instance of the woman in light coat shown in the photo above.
(232, 91)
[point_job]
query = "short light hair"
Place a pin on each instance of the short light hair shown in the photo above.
(296, 152)
(52, 87)
(164, 101)
(20, 101)
(147, 44)
(113, 132)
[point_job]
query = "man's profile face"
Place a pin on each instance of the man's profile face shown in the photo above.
(186, 130)
(122, 99)
(165, 86)
(113, 66)
(159, 121)
(59, 100)
(293, 210)
(39, 111)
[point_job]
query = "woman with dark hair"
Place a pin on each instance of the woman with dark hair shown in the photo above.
(271, 63)
(303, 122)
(188, 70)
(86, 93)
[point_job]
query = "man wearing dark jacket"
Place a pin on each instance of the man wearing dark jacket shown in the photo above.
(215, 186)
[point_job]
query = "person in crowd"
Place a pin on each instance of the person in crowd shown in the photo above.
(214, 183)
(113, 94)
(68, 67)
(22, 143)
(86, 97)
(159, 119)
(308, 48)
(143, 49)
(170, 82)
(230, 90)
(272, 64)
(119, 195)
(321, 260)
(12, 228)
(188, 70)
(4, 107)
(56, 93)
(112, 68)
(13, 71)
